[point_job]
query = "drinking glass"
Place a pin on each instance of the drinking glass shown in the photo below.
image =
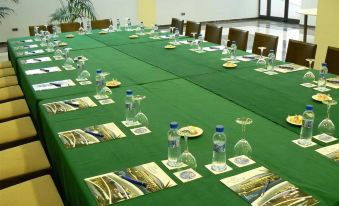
(226, 51)
(242, 147)
(326, 126)
(140, 116)
(83, 74)
(186, 157)
(176, 36)
(309, 76)
(111, 27)
(261, 63)
(58, 53)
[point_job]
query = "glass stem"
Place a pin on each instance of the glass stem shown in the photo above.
(186, 144)
(328, 111)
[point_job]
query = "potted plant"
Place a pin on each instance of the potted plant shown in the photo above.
(5, 11)
(71, 10)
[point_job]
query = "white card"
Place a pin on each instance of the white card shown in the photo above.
(172, 168)
(58, 57)
(53, 85)
(187, 175)
(37, 60)
(325, 138)
(271, 73)
(243, 59)
(42, 70)
(140, 131)
(130, 124)
(241, 161)
(226, 59)
(26, 41)
(39, 51)
(99, 97)
(49, 50)
(68, 68)
(260, 70)
(106, 101)
(209, 167)
(85, 83)
(308, 85)
(303, 146)
(30, 46)
(322, 89)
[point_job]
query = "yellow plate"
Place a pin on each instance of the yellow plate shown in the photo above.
(63, 44)
(321, 97)
(103, 32)
(170, 46)
(112, 84)
(69, 36)
(194, 131)
(229, 65)
(291, 120)
(133, 36)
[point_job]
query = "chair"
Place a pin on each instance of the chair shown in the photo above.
(192, 27)
(41, 28)
(13, 109)
(4, 72)
(239, 36)
(8, 81)
(213, 33)
(298, 52)
(40, 191)
(178, 24)
(332, 60)
(264, 40)
(100, 24)
(5, 64)
(21, 163)
(69, 27)
(16, 132)
(10, 93)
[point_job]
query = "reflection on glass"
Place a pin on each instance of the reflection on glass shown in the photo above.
(243, 147)
(327, 126)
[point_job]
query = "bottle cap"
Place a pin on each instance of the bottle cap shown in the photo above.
(129, 92)
(219, 128)
(309, 107)
(272, 50)
(174, 125)
(99, 71)
(324, 64)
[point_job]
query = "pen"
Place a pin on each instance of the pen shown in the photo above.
(137, 182)
(265, 188)
(45, 70)
(55, 84)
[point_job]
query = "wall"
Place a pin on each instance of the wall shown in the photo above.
(35, 12)
(147, 12)
(327, 28)
(309, 4)
(206, 10)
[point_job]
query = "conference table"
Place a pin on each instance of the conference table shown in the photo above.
(184, 86)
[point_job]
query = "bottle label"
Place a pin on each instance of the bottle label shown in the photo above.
(129, 106)
(99, 83)
(173, 143)
(308, 123)
(219, 147)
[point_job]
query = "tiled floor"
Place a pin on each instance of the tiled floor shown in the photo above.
(285, 31)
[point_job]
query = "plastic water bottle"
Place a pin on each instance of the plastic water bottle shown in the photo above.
(99, 82)
(89, 27)
(118, 24)
(155, 30)
(233, 50)
(129, 25)
(219, 149)
(174, 150)
(129, 107)
(199, 42)
(271, 58)
(307, 126)
(142, 27)
(322, 77)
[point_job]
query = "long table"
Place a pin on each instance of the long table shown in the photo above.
(192, 89)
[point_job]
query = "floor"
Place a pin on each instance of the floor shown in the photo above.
(285, 32)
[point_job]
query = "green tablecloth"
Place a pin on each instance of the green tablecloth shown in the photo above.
(188, 104)
(126, 69)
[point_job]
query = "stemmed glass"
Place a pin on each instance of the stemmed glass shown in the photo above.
(111, 28)
(83, 74)
(140, 116)
(176, 35)
(186, 157)
(225, 52)
(326, 126)
(261, 63)
(242, 147)
(309, 76)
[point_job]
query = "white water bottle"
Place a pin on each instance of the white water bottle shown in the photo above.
(233, 50)
(307, 126)
(271, 58)
(219, 149)
(129, 107)
(322, 77)
(99, 82)
(174, 150)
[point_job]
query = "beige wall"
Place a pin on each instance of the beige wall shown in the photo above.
(147, 12)
(327, 29)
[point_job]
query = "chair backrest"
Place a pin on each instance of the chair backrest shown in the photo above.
(68, 27)
(100, 24)
(192, 27)
(213, 33)
(298, 52)
(264, 40)
(332, 60)
(41, 28)
(178, 24)
(240, 36)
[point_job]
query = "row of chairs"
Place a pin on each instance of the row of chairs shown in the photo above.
(297, 51)
(24, 170)
(72, 26)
